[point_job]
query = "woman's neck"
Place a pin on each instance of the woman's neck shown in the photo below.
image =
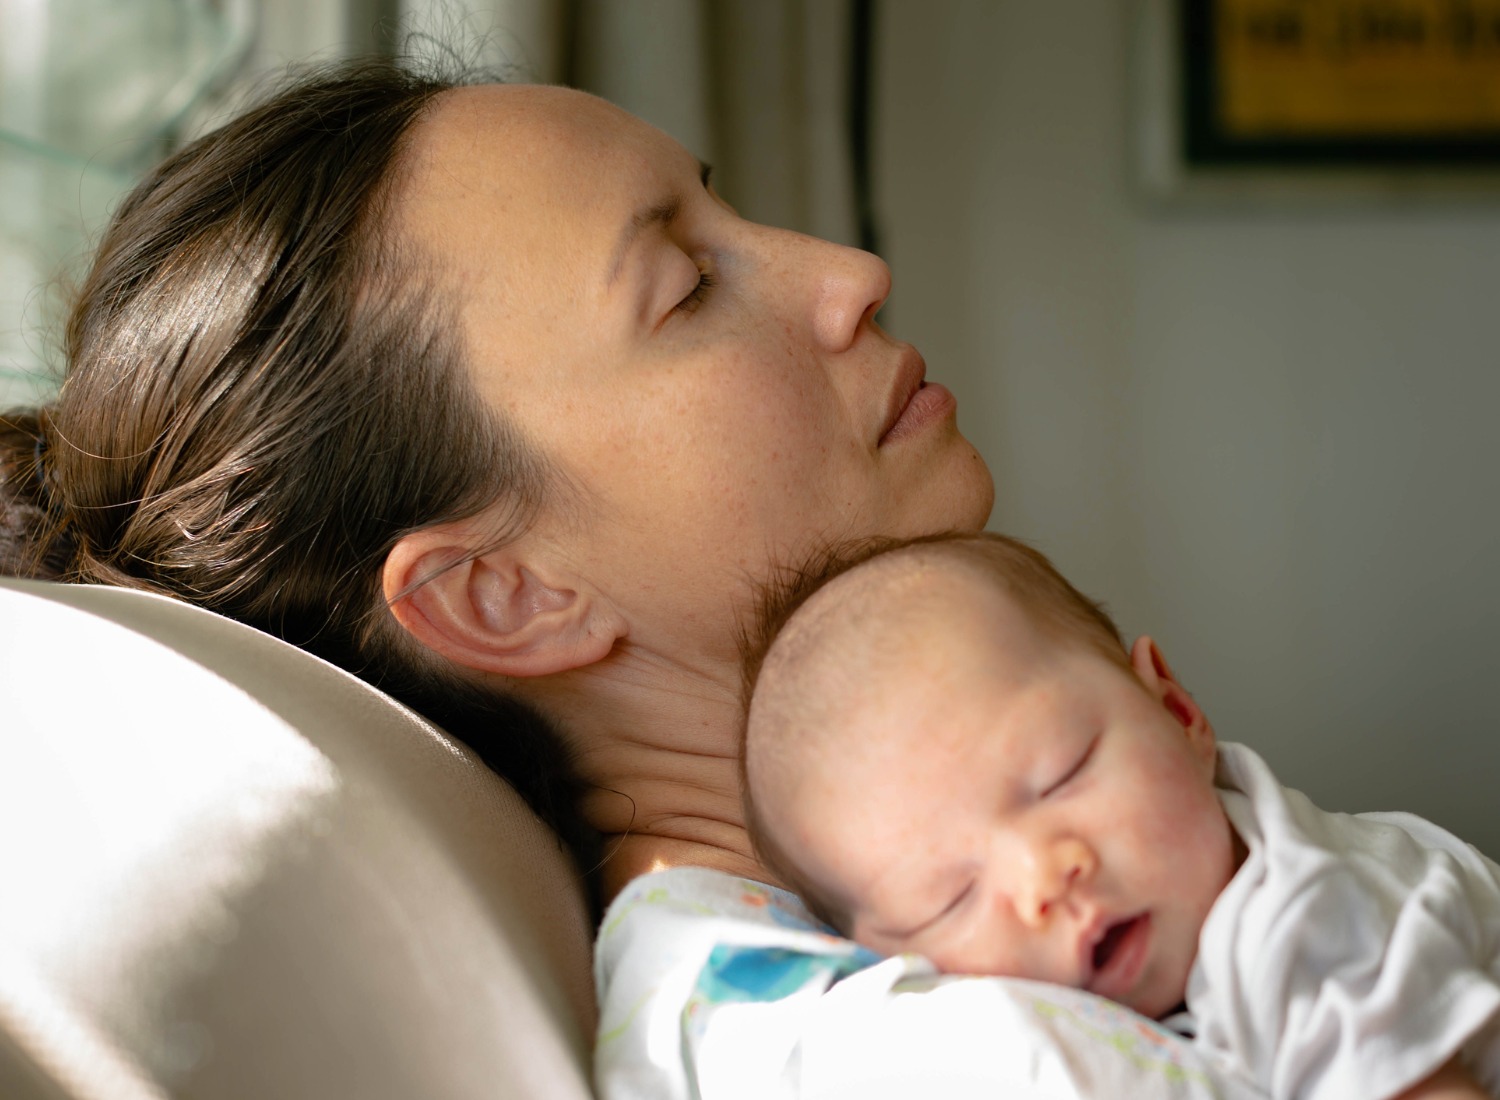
(658, 747)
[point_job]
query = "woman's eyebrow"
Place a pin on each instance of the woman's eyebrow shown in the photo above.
(663, 212)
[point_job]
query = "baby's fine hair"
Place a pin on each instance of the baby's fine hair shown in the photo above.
(1044, 594)
(1025, 571)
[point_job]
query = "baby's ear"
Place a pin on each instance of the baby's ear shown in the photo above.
(508, 610)
(1156, 675)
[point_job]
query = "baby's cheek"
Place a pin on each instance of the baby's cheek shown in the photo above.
(990, 945)
(1172, 816)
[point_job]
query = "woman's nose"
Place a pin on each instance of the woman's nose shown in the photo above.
(844, 286)
(1047, 873)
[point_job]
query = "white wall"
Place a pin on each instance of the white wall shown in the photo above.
(1261, 435)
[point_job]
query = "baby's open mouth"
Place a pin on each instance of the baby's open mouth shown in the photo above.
(1105, 949)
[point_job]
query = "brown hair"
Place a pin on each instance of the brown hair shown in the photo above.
(1026, 574)
(263, 394)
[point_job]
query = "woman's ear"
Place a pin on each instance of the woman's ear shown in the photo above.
(1155, 674)
(496, 611)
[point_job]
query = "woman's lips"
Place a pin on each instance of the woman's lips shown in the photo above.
(928, 402)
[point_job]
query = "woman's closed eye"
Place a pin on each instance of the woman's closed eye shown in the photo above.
(1073, 769)
(707, 280)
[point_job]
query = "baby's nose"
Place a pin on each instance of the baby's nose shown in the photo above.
(1055, 868)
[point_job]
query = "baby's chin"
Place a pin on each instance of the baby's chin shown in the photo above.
(1162, 1000)
(1163, 1007)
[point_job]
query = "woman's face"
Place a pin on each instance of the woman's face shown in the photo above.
(717, 391)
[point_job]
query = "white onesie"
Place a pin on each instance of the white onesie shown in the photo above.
(1350, 956)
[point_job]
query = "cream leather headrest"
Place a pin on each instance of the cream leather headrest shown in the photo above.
(229, 869)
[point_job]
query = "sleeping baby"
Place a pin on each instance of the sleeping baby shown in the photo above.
(950, 752)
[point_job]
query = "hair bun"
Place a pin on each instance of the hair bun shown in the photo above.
(34, 541)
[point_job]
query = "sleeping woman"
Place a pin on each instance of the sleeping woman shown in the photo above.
(483, 392)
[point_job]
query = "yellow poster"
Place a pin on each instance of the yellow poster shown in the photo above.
(1356, 69)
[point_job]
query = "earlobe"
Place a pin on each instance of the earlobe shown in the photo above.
(494, 612)
(1157, 677)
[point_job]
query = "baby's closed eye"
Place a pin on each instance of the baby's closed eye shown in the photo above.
(1072, 769)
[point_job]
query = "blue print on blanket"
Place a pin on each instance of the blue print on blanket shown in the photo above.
(735, 974)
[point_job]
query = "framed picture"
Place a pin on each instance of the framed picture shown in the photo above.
(1318, 95)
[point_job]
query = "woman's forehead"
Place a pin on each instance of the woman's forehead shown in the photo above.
(521, 181)
(470, 113)
(527, 142)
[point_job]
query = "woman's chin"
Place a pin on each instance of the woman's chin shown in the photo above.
(984, 498)
(972, 492)
(960, 498)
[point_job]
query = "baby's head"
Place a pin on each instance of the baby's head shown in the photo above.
(951, 752)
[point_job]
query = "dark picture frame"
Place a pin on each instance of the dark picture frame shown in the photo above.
(1383, 83)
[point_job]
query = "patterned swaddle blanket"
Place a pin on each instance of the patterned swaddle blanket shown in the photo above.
(714, 987)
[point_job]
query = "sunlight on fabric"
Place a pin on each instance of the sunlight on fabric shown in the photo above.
(64, 1043)
(200, 760)
(124, 847)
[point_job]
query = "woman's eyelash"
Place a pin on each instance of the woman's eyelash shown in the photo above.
(707, 280)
